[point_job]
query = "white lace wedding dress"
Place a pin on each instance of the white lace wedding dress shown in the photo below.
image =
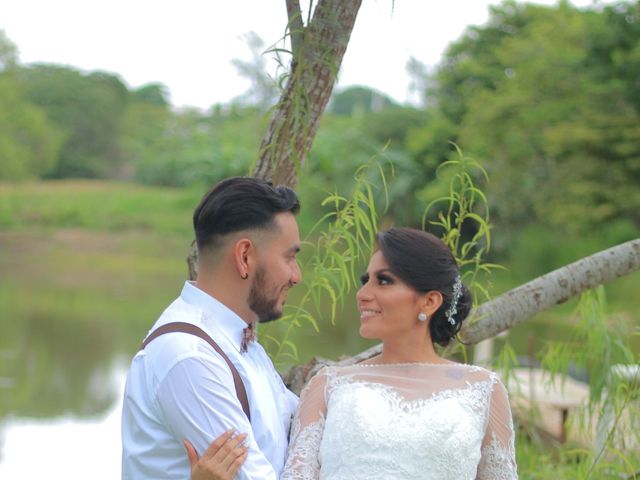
(402, 421)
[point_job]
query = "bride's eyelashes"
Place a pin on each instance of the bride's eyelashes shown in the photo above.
(382, 279)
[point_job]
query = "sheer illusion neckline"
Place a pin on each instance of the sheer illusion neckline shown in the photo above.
(411, 364)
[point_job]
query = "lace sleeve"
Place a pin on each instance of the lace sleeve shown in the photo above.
(498, 461)
(306, 432)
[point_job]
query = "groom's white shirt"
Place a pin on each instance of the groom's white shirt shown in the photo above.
(179, 388)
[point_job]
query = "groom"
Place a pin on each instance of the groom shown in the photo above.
(187, 380)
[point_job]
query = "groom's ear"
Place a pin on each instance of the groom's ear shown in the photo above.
(244, 256)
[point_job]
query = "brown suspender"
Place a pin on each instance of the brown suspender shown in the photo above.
(191, 329)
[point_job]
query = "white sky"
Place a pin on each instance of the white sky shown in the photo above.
(188, 44)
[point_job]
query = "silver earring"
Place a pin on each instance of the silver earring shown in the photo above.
(422, 316)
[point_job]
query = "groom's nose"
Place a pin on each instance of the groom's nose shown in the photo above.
(296, 274)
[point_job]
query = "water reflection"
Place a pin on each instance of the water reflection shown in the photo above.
(59, 366)
(66, 447)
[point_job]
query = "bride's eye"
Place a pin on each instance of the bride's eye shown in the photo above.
(384, 279)
(364, 278)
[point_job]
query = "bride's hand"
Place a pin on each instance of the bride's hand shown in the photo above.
(221, 461)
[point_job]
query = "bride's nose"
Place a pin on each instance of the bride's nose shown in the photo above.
(363, 293)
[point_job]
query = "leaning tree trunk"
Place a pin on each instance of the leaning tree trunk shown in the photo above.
(521, 303)
(317, 50)
(517, 305)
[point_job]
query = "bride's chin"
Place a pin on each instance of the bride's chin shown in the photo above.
(366, 333)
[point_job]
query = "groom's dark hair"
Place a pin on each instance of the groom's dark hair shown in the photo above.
(240, 203)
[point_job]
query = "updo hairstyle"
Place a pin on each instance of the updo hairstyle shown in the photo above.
(424, 262)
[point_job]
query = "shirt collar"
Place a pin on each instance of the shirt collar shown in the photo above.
(217, 316)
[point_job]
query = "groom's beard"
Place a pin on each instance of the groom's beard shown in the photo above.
(263, 301)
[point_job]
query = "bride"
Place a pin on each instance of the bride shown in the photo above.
(407, 413)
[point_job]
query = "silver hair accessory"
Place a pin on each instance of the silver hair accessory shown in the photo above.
(453, 308)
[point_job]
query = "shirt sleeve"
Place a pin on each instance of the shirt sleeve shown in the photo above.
(198, 400)
(306, 432)
(498, 455)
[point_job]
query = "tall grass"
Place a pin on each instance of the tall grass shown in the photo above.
(97, 205)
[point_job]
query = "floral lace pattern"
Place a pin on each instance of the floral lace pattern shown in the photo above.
(378, 427)
(302, 458)
(497, 462)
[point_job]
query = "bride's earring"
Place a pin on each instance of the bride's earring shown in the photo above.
(422, 317)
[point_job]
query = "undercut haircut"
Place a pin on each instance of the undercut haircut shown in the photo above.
(237, 204)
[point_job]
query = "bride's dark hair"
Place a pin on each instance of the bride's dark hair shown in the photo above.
(425, 263)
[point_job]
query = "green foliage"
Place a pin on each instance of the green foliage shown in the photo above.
(152, 93)
(344, 143)
(598, 344)
(535, 249)
(94, 205)
(87, 107)
(464, 221)
(392, 125)
(186, 148)
(341, 239)
(29, 143)
(357, 100)
(8, 53)
(540, 93)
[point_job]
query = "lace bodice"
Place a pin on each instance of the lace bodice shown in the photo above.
(408, 421)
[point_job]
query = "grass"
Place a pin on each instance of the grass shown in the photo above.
(97, 205)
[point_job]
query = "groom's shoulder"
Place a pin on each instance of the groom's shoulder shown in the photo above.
(169, 348)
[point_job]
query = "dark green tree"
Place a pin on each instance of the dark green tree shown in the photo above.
(29, 143)
(357, 100)
(88, 107)
(153, 94)
(546, 98)
(8, 53)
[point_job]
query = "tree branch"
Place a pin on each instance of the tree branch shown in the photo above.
(296, 27)
(521, 303)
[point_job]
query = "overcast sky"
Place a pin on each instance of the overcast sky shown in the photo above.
(188, 44)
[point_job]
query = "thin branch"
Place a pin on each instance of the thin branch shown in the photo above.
(296, 27)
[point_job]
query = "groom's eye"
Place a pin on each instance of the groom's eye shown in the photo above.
(364, 278)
